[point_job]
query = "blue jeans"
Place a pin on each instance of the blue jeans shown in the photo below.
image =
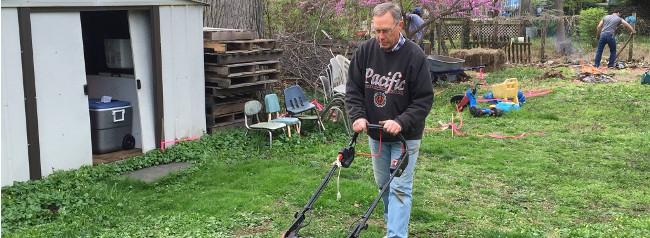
(397, 202)
(611, 42)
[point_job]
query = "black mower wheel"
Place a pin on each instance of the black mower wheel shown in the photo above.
(128, 142)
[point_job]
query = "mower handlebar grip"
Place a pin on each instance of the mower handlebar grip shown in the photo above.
(380, 127)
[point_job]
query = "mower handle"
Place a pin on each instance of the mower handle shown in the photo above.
(375, 127)
(395, 171)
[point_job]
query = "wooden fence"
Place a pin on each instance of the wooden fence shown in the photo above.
(518, 52)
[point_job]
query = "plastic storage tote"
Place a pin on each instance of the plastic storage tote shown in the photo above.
(110, 126)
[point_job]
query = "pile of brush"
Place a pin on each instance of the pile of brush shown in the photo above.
(591, 74)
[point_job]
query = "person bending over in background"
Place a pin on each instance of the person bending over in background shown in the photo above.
(608, 25)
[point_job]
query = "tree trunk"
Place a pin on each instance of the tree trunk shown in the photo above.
(241, 14)
(631, 51)
(542, 57)
(561, 34)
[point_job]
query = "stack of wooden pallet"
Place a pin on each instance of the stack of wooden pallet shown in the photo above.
(237, 68)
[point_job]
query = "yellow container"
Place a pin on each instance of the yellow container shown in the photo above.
(505, 90)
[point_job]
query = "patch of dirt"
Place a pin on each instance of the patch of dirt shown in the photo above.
(627, 75)
(553, 73)
(548, 205)
(262, 228)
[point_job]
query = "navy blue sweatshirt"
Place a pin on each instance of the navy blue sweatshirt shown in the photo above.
(390, 86)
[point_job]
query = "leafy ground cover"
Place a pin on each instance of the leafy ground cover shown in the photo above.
(588, 175)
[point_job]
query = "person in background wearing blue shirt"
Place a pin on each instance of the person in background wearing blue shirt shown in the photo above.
(416, 21)
(608, 26)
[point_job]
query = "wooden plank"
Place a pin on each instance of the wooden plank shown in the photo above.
(216, 120)
(242, 57)
(225, 70)
(529, 60)
(270, 77)
(508, 49)
(211, 46)
(266, 44)
(238, 123)
(226, 46)
(228, 82)
(115, 156)
(223, 34)
(239, 70)
(262, 82)
(235, 91)
(212, 100)
(226, 108)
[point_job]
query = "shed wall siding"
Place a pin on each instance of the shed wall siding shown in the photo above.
(59, 70)
(15, 164)
(183, 76)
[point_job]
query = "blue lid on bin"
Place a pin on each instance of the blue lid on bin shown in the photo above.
(95, 103)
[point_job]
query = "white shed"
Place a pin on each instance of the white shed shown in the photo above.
(53, 61)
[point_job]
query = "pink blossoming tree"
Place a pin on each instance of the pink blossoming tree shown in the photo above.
(436, 8)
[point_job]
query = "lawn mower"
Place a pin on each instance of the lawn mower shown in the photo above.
(470, 98)
(345, 159)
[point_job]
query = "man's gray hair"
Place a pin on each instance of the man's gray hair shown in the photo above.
(391, 7)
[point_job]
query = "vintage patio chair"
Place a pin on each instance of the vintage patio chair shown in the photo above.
(273, 107)
(335, 74)
(327, 87)
(296, 104)
(253, 108)
(336, 108)
(345, 67)
(336, 77)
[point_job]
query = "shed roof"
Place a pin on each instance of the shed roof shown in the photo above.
(98, 3)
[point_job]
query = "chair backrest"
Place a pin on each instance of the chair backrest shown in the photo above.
(345, 66)
(252, 107)
(294, 97)
(272, 103)
(327, 86)
(336, 77)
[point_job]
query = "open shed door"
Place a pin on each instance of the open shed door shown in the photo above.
(60, 76)
(140, 31)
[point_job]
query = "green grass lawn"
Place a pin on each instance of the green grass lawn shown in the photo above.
(587, 176)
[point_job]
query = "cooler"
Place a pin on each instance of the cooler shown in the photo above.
(110, 125)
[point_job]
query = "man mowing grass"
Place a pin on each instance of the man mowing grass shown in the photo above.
(390, 85)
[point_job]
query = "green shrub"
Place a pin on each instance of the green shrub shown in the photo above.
(589, 19)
